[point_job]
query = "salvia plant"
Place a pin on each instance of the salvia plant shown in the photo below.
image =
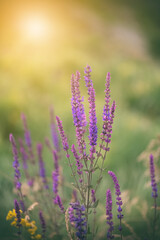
(86, 160)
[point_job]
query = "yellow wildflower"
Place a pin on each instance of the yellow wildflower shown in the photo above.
(38, 236)
(23, 222)
(11, 214)
(14, 223)
(28, 224)
(31, 226)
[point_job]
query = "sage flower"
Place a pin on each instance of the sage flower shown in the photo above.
(109, 214)
(16, 165)
(152, 174)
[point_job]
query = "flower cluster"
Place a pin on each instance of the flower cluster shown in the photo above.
(16, 165)
(55, 175)
(17, 221)
(83, 162)
(79, 117)
(152, 174)
(58, 201)
(87, 164)
(108, 116)
(92, 111)
(78, 220)
(42, 172)
(118, 198)
(109, 214)
(63, 136)
(43, 224)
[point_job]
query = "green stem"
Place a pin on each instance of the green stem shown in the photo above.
(155, 218)
(100, 175)
(77, 185)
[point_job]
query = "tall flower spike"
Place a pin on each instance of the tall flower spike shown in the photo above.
(152, 174)
(54, 131)
(109, 214)
(92, 111)
(78, 163)
(18, 215)
(106, 110)
(92, 121)
(17, 174)
(42, 171)
(108, 115)
(59, 203)
(87, 77)
(63, 136)
(55, 177)
(43, 224)
(118, 198)
(78, 219)
(79, 118)
(55, 158)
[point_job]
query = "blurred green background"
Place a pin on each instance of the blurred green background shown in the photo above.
(43, 42)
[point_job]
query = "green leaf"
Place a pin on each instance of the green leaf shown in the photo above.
(96, 203)
(89, 231)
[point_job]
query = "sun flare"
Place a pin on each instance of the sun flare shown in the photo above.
(35, 28)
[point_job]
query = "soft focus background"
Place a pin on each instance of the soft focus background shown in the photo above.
(42, 43)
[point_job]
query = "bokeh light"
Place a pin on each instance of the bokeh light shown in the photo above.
(35, 28)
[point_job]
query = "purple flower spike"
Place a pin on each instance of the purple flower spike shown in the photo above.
(92, 112)
(59, 203)
(78, 160)
(108, 115)
(55, 158)
(54, 131)
(87, 77)
(71, 215)
(152, 174)
(92, 118)
(17, 209)
(78, 219)
(42, 172)
(118, 198)
(43, 224)
(63, 136)
(17, 174)
(106, 109)
(79, 117)
(55, 177)
(109, 214)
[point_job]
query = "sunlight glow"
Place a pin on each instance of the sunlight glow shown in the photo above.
(35, 28)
